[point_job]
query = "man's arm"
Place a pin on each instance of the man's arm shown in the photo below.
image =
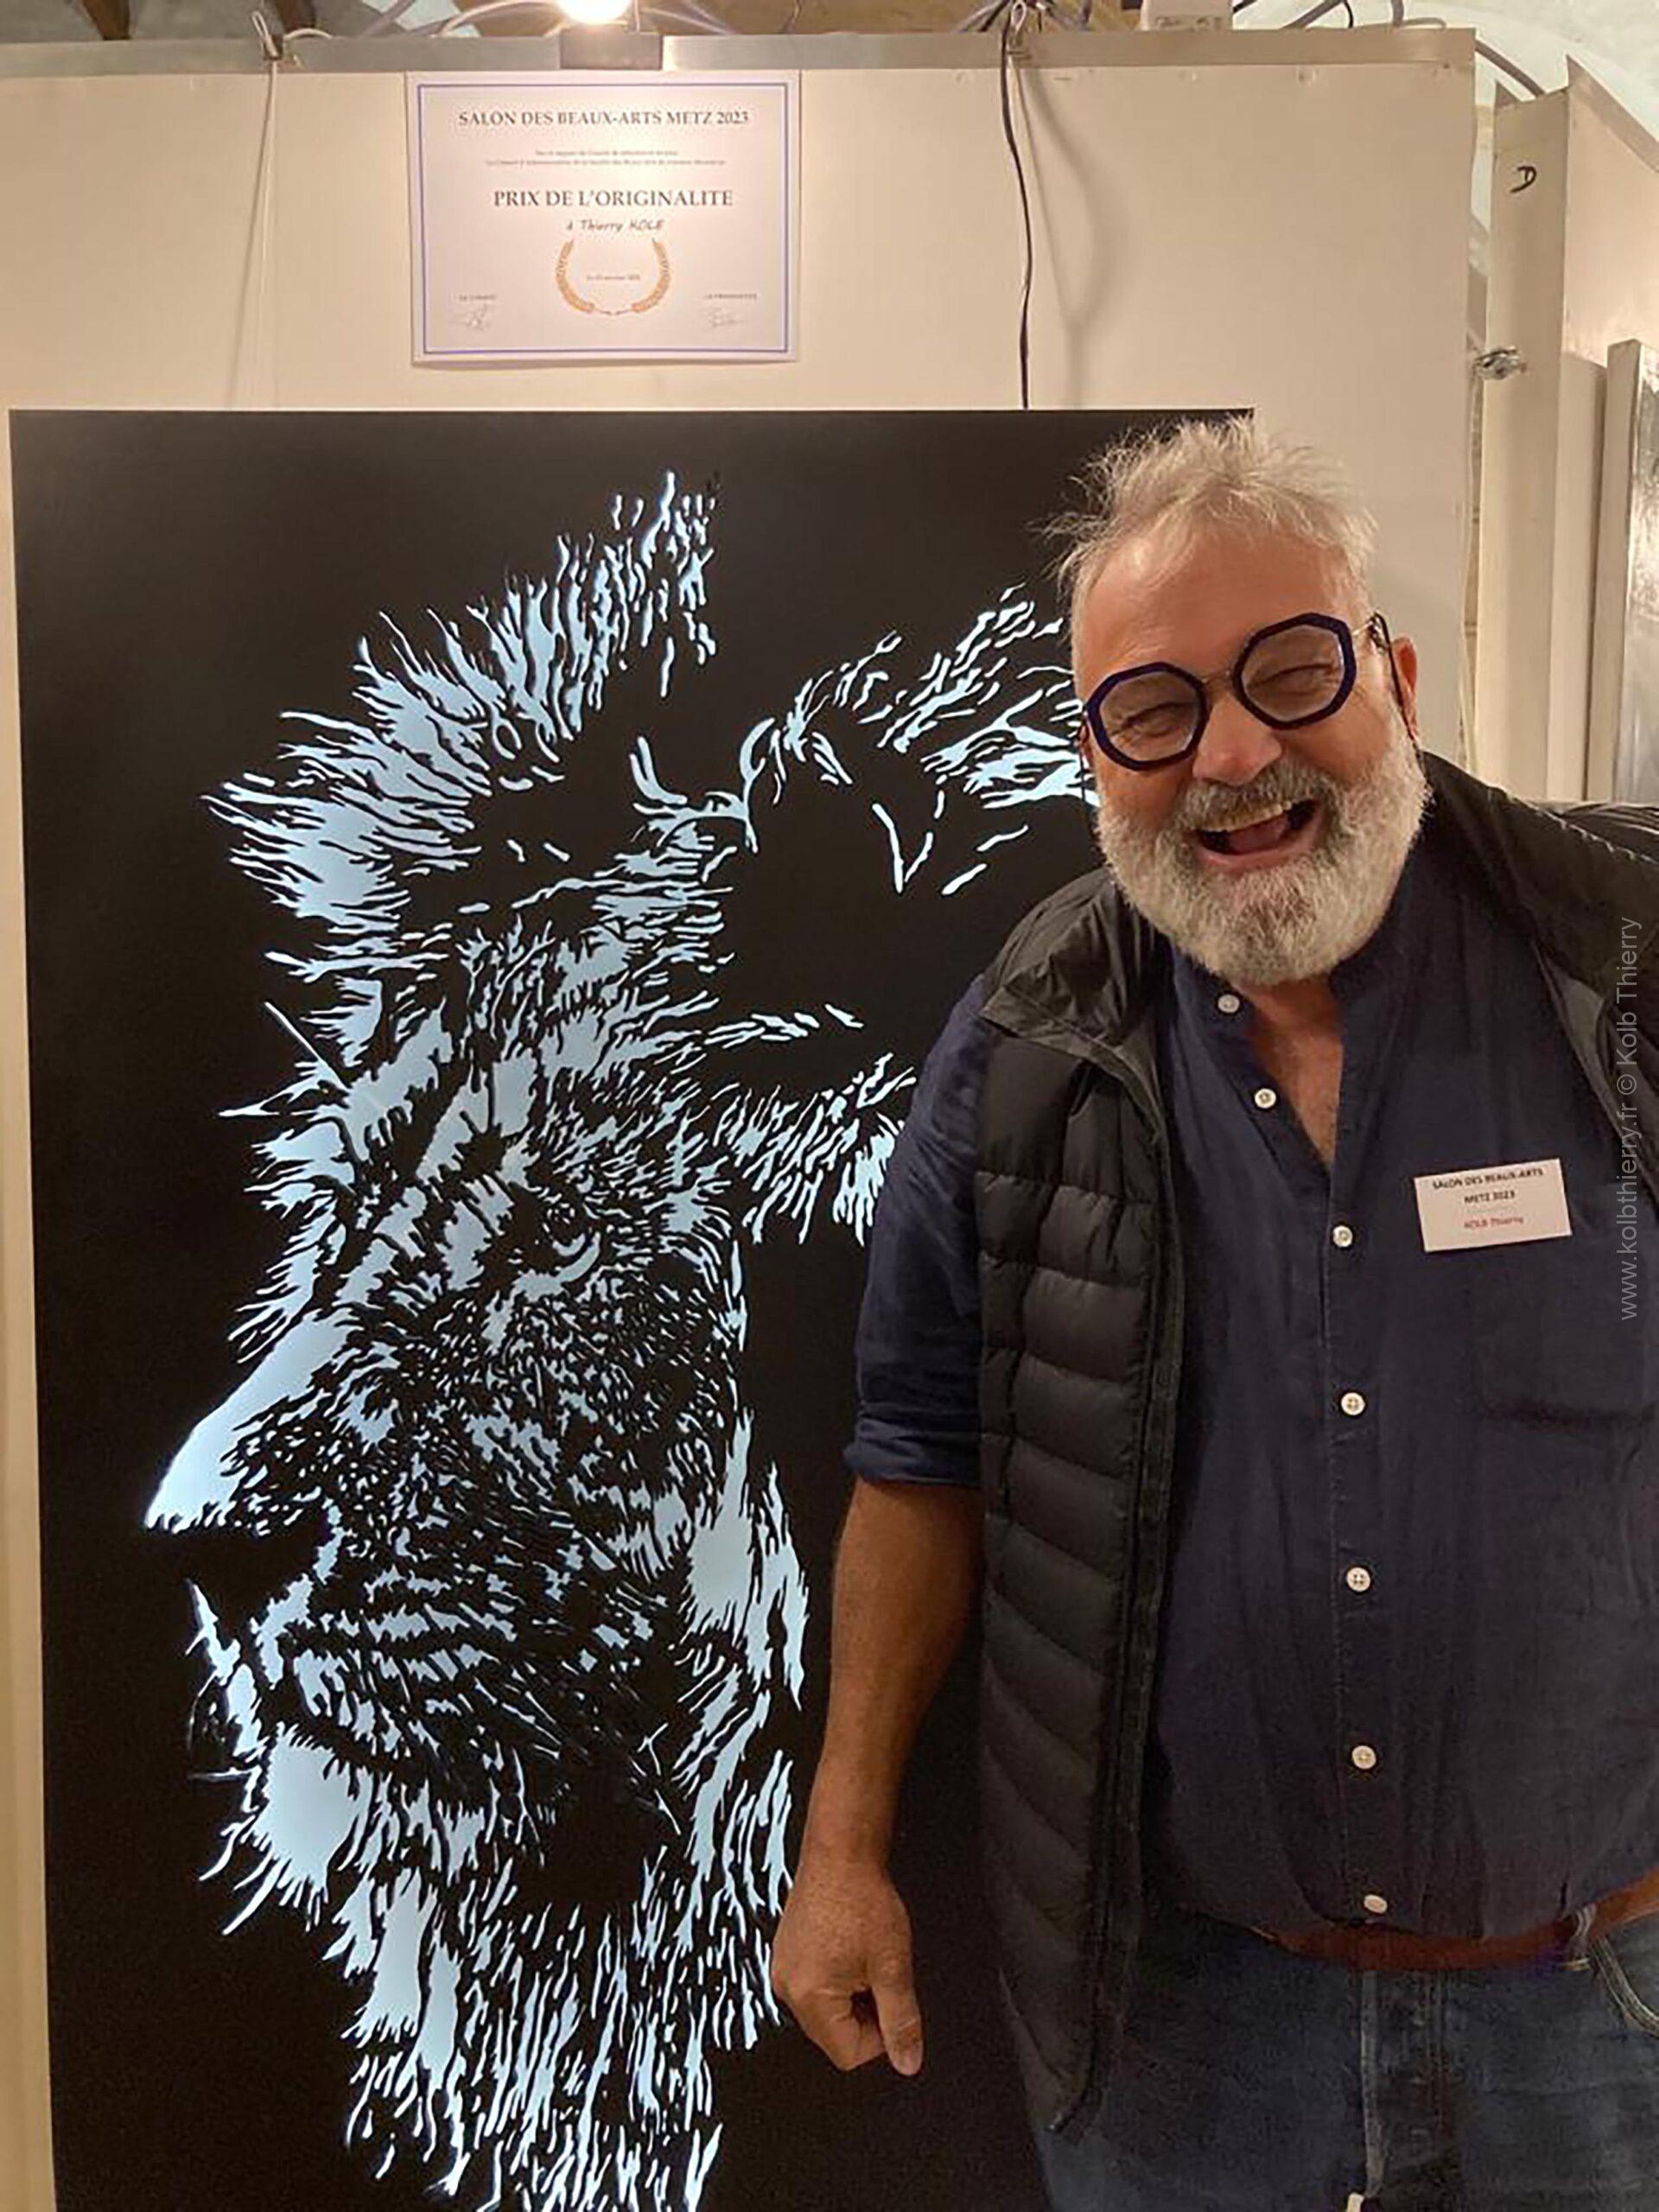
(906, 1574)
(907, 1568)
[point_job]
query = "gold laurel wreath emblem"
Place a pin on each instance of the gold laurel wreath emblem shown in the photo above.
(583, 305)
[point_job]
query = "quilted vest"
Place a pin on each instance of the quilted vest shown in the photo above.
(1080, 1320)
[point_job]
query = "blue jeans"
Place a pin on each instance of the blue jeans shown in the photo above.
(1254, 2081)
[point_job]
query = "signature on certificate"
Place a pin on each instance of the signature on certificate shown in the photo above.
(475, 313)
(723, 318)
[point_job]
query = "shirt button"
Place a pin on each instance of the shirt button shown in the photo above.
(1359, 1578)
(1372, 1902)
(1351, 1403)
(1342, 1235)
(1364, 1757)
(1264, 1097)
(1227, 1001)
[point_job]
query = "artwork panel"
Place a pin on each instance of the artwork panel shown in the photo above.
(490, 884)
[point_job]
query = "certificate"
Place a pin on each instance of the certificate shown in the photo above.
(636, 217)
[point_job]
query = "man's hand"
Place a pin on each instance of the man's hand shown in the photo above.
(841, 1961)
(907, 1568)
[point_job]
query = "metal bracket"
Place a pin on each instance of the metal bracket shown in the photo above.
(1500, 361)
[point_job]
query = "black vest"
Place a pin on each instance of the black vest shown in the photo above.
(1081, 1293)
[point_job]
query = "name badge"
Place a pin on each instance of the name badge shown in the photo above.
(1472, 1206)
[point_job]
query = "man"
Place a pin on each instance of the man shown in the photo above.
(1273, 1228)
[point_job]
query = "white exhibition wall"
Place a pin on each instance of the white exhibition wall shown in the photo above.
(1279, 222)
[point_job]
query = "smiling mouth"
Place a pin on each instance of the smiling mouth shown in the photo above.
(1265, 834)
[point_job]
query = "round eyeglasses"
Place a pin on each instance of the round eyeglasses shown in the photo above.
(1288, 675)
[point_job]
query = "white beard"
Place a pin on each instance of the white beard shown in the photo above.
(1275, 925)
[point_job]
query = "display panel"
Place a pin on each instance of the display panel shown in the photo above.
(491, 883)
(1630, 590)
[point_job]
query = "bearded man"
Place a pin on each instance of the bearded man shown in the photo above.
(1260, 1308)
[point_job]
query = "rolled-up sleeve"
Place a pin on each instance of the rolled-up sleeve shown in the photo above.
(918, 1343)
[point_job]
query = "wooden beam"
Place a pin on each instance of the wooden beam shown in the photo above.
(296, 15)
(110, 18)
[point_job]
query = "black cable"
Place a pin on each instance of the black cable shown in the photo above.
(1399, 19)
(1025, 209)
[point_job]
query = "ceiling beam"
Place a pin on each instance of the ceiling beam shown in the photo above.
(110, 18)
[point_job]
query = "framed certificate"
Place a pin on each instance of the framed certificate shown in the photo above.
(627, 216)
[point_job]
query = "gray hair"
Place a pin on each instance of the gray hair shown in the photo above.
(1231, 474)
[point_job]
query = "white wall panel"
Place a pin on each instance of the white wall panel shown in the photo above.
(1573, 268)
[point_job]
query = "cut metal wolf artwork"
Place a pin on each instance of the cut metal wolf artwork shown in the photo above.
(513, 1718)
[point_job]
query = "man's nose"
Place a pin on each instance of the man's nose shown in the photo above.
(1234, 747)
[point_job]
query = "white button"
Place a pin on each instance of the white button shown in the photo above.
(1375, 1904)
(1364, 1757)
(1227, 1001)
(1342, 1235)
(1351, 1403)
(1359, 1578)
(1265, 1097)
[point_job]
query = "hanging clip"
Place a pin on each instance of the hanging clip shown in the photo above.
(270, 47)
(1500, 361)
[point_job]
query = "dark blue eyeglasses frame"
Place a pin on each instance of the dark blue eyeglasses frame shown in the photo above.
(1376, 629)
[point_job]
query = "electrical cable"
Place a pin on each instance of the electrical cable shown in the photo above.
(388, 20)
(449, 23)
(1012, 24)
(1510, 69)
(1398, 19)
(691, 12)
(256, 266)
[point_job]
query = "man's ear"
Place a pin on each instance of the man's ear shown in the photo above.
(1405, 661)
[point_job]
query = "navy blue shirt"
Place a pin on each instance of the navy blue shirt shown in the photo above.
(1408, 1665)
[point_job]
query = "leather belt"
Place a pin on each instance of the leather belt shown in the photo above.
(1375, 1949)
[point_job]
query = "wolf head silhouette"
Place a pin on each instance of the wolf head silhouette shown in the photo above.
(499, 1611)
